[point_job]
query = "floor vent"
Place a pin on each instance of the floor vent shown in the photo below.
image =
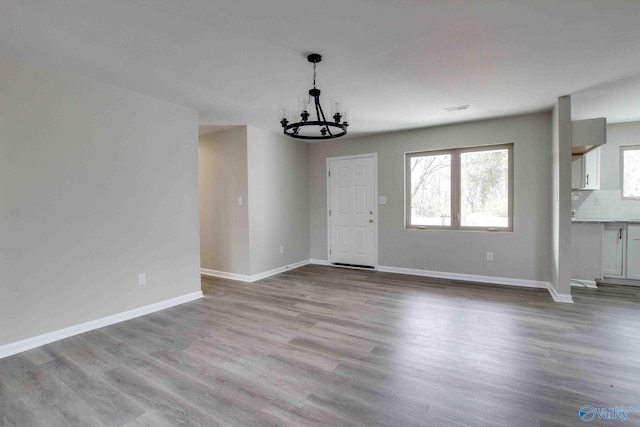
(362, 267)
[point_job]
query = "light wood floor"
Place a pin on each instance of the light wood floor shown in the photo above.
(327, 346)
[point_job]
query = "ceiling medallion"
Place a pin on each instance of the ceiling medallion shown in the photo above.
(319, 128)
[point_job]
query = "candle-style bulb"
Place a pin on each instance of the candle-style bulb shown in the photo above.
(303, 103)
(284, 111)
(336, 106)
(346, 116)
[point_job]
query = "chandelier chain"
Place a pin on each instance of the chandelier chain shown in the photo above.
(314, 75)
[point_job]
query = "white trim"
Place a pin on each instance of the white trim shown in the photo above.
(318, 261)
(225, 275)
(376, 205)
(254, 277)
(584, 283)
(564, 298)
(278, 270)
(40, 340)
(467, 277)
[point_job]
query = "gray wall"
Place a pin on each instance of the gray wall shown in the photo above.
(270, 173)
(521, 254)
(278, 200)
(97, 185)
(224, 224)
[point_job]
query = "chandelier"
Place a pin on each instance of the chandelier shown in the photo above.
(319, 128)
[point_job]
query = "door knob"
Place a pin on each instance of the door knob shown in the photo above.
(370, 219)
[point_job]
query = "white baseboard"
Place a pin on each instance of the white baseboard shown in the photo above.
(318, 261)
(278, 270)
(225, 275)
(564, 298)
(467, 277)
(40, 340)
(584, 283)
(254, 277)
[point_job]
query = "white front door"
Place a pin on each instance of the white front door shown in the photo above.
(352, 216)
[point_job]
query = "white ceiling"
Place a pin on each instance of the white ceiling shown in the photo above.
(396, 63)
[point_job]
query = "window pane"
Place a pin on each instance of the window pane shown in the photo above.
(484, 188)
(631, 173)
(431, 190)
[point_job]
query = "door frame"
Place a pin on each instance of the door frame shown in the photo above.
(376, 205)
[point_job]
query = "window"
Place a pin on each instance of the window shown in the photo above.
(630, 171)
(464, 188)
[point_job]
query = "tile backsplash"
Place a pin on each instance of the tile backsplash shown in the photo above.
(603, 204)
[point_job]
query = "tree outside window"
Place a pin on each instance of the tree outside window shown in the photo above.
(468, 188)
(484, 191)
(431, 190)
(630, 171)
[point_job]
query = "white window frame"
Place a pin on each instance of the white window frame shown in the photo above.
(622, 150)
(456, 187)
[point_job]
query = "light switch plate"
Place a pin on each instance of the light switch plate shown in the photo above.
(382, 200)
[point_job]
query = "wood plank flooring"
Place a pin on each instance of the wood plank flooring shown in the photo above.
(328, 346)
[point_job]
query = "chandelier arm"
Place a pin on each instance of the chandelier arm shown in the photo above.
(320, 114)
(317, 104)
(293, 130)
(324, 119)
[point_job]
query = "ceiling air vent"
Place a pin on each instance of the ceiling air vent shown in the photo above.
(458, 108)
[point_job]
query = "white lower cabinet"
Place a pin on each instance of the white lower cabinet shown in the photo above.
(586, 251)
(614, 250)
(633, 251)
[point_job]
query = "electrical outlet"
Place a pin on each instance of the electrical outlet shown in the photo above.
(142, 279)
(281, 249)
(489, 256)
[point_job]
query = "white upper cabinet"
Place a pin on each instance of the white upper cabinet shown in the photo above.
(587, 134)
(592, 169)
(585, 170)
